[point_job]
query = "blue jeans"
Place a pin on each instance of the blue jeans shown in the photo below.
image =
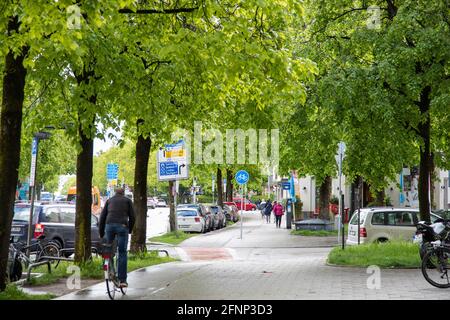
(115, 229)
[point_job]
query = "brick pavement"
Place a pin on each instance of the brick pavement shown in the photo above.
(267, 264)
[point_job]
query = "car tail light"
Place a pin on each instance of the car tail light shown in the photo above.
(197, 219)
(363, 232)
(38, 230)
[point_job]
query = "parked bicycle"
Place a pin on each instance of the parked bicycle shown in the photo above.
(435, 252)
(110, 267)
(37, 252)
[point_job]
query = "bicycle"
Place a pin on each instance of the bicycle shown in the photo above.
(44, 249)
(110, 267)
(435, 260)
(435, 265)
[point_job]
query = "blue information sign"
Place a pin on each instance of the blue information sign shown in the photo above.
(112, 171)
(242, 177)
(168, 168)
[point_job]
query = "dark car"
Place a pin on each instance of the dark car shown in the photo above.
(217, 212)
(55, 221)
(203, 212)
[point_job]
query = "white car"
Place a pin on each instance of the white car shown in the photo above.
(384, 224)
(151, 203)
(189, 219)
(161, 203)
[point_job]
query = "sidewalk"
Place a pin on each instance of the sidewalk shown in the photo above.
(268, 263)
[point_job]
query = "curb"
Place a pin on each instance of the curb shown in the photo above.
(365, 267)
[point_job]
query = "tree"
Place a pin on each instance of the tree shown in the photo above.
(391, 79)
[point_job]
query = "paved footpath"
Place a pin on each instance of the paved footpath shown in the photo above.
(268, 263)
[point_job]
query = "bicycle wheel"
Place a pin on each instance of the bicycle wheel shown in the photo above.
(50, 249)
(435, 268)
(110, 281)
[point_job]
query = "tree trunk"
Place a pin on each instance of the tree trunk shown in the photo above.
(138, 237)
(172, 216)
(425, 155)
(84, 197)
(219, 187)
(10, 129)
(433, 179)
(353, 197)
(324, 198)
(229, 191)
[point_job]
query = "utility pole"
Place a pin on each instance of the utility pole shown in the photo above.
(34, 157)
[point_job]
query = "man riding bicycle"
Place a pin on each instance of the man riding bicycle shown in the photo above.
(117, 219)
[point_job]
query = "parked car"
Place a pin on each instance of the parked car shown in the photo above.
(190, 219)
(62, 197)
(55, 221)
(161, 203)
(46, 196)
(248, 206)
(203, 213)
(217, 212)
(151, 203)
(384, 224)
(232, 212)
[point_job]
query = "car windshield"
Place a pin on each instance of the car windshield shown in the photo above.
(23, 213)
(186, 213)
(362, 217)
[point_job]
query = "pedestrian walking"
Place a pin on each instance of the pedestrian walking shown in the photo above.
(268, 211)
(278, 211)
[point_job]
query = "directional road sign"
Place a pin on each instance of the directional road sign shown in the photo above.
(172, 162)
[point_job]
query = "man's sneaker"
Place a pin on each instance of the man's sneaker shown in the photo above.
(123, 285)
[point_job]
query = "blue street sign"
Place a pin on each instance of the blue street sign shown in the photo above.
(112, 171)
(286, 186)
(34, 146)
(242, 177)
(168, 168)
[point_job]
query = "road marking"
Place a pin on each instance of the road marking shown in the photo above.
(207, 254)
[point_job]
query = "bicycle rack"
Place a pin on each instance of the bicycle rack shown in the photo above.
(37, 264)
(159, 250)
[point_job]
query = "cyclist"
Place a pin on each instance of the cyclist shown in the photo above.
(117, 219)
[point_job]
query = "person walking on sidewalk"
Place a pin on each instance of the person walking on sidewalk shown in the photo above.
(268, 211)
(278, 210)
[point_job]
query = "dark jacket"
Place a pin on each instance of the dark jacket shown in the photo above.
(268, 208)
(118, 209)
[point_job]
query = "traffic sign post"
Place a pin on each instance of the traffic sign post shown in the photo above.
(242, 178)
(172, 162)
(34, 156)
(172, 165)
(339, 159)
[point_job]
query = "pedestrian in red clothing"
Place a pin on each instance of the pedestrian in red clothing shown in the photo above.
(278, 210)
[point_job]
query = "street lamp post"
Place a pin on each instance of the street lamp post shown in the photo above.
(34, 155)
